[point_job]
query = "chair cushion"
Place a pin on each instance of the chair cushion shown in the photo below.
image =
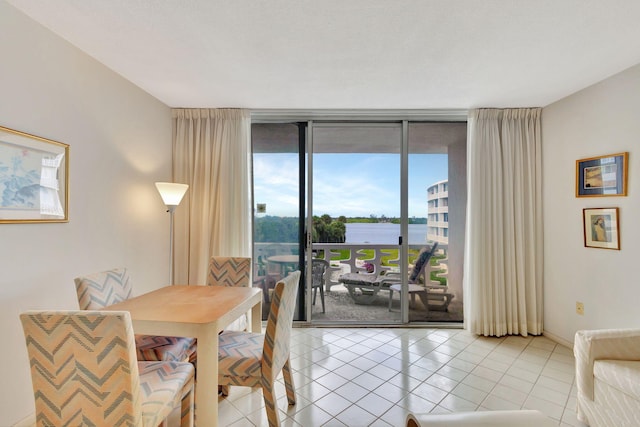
(163, 384)
(423, 257)
(623, 375)
(240, 353)
(609, 408)
(175, 349)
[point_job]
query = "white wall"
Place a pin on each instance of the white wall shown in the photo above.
(599, 120)
(120, 140)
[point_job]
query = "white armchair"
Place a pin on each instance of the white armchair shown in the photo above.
(608, 377)
(505, 418)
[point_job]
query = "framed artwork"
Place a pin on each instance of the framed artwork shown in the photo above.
(34, 178)
(601, 228)
(602, 176)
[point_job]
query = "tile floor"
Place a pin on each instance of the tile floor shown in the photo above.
(375, 377)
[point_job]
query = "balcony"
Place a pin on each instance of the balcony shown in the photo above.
(349, 258)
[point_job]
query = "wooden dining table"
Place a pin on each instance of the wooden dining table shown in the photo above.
(200, 312)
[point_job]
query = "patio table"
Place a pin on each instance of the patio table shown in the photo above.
(287, 263)
(412, 289)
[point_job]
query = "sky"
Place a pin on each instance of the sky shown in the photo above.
(347, 184)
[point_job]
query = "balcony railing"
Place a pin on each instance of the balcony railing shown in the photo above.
(346, 258)
(349, 258)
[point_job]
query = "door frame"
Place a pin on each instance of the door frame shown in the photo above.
(307, 116)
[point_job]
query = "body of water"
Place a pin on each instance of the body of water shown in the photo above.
(382, 233)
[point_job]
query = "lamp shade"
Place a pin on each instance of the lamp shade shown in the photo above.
(171, 192)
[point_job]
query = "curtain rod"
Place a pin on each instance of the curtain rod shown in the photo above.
(265, 115)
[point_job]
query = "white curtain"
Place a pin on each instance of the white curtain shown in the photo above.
(503, 252)
(211, 153)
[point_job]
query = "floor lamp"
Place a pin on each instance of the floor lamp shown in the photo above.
(171, 194)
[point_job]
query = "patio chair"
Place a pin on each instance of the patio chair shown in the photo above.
(273, 273)
(433, 297)
(255, 360)
(419, 267)
(84, 372)
(364, 288)
(319, 268)
(98, 290)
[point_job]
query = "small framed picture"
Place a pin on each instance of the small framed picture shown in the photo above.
(602, 176)
(601, 228)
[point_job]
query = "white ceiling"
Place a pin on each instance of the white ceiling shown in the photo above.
(343, 54)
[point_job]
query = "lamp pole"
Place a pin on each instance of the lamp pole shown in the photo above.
(171, 209)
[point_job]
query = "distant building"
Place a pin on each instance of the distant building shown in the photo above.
(438, 212)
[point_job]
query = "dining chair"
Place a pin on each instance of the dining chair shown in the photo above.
(98, 290)
(231, 271)
(255, 360)
(319, 268)
(84, 372)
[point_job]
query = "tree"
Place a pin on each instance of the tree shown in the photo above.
(336, 232)
(328, 230)
(285, 229)
(276, 229)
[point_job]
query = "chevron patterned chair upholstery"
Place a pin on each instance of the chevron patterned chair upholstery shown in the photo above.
(231, 271)
(98, 290)
(252, 360)
(85, 373)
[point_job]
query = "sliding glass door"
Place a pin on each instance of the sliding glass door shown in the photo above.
(278, 224)
(358, 203)
(437, 193)
(355, 196)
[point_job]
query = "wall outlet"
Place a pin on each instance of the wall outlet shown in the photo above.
(580, 308)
